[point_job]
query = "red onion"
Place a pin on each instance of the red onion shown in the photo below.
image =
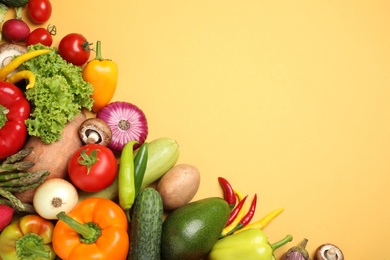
(127, 123)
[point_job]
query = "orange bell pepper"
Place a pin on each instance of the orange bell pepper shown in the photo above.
(30, 237)
(103, 75)
(96, 228)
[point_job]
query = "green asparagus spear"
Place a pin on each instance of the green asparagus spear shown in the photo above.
(28, 178)
(12, 176)
(28, 208)
(15, 163)
(17, 157)
(17, 166)
(16, 203)
(26, 187)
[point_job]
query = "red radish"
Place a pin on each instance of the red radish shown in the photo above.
(6, 214)
(127, 123)
(15, 30)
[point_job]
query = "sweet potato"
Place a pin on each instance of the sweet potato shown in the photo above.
(53, 157)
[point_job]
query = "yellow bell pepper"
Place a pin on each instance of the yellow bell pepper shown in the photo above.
(30, 237)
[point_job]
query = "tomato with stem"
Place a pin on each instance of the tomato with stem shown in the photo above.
(42, 35)
(74, 48)
(92, 167)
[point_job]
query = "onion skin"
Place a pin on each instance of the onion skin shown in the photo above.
(127, 123)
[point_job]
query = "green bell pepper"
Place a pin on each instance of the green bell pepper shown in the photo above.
(251, 244)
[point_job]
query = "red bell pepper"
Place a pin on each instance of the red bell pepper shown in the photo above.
(14, 110)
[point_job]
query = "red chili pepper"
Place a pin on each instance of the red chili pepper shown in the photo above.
(247, 218)
(228, 192)
(14, 110)
(235, 211)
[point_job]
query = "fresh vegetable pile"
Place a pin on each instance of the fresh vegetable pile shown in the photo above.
(112, 193)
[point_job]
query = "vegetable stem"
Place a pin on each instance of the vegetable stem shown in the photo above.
(89, 232)
(99, 51)
(30, 246)
(282, 242)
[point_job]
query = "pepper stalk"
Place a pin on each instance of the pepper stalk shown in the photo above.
(89, 232)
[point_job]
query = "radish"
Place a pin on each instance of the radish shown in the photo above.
(16, 30)
(6, 214)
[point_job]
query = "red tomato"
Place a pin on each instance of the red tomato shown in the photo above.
(74, 48)
(39, 11)
(92, 167)
(40, 35)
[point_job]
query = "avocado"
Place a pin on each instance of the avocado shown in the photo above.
(190, 232)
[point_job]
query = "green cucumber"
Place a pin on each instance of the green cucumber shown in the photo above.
(163, 153)
(146, 226)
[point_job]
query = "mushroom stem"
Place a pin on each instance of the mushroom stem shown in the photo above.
(331, 254)
(92, 137)
(95, 131)
(328, 252)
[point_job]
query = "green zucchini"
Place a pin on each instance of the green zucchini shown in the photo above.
(146, 226)
(163, 153)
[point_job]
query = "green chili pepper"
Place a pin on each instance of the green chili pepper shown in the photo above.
(140, 163)
(251, 244)
(126, 187)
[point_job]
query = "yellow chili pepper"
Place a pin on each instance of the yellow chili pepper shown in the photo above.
(260, 224)
(235, 222)
(18, 60)
(20, 75)
(103, 75)
(238, 195)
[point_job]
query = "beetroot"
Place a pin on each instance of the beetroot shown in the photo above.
(16, 30)
(6, 214)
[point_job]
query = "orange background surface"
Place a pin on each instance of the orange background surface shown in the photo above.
(286, 99)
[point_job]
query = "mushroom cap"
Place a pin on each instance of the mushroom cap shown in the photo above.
(329, 251)
(95, 131)
(8, 51)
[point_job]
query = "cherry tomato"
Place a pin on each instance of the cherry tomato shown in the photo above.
(92, 167)
(74, 48)
(40, 35)
(39, 11)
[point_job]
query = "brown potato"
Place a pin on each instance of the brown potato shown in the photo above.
(53, 157)
(178, 186)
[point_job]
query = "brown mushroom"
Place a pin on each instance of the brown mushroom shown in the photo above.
(95, 131)
(328, 252)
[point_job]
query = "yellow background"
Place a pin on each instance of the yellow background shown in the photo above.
(286, 99)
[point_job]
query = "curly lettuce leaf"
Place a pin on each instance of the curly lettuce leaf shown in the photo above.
(59, 94)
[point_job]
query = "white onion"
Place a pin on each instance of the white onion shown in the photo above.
(53, 196)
